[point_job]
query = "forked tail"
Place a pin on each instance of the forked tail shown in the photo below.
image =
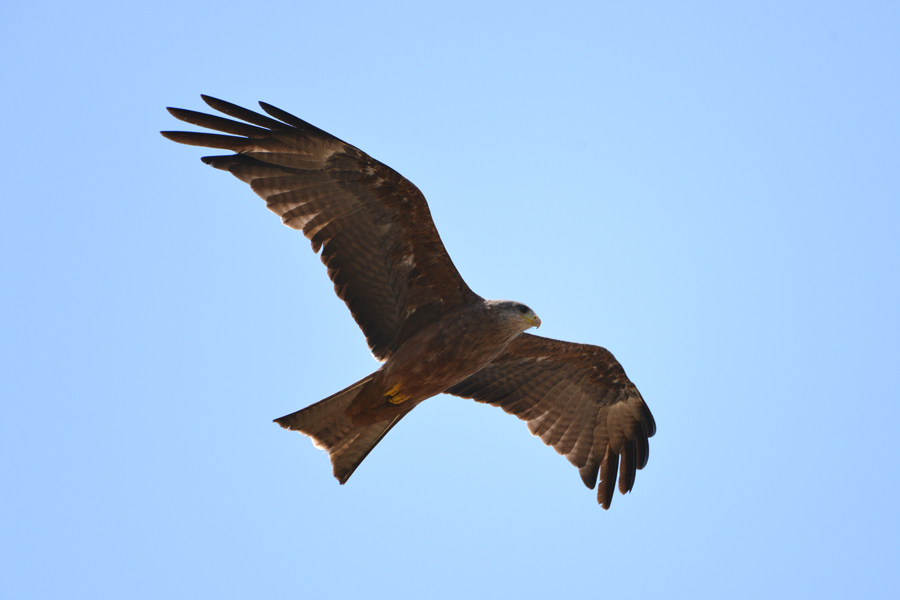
(327, 423)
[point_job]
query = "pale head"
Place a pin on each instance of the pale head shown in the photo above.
(514, 313)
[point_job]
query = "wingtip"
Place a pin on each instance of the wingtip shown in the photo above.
(604, 500)
(218, 104)
(181, 114)
(285, 117)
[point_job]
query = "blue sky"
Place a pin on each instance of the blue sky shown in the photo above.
(709, 190)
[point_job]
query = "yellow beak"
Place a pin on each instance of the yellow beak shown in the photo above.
(533, 321)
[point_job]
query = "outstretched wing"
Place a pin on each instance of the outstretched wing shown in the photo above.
(577, 399)
(374, 229)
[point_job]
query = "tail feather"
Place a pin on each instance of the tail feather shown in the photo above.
(331, 429)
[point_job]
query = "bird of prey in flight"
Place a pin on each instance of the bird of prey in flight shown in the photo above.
(431, 332)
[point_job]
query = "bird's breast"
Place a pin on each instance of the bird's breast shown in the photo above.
(444, 353)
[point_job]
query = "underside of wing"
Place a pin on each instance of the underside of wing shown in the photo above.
(372, 226)
(577, 399)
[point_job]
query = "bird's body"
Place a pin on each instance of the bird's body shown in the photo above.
(433, 333)
(440, 355)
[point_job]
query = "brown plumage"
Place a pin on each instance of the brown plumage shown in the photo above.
(433, 333)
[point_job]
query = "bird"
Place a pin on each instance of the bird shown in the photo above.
(373, 230)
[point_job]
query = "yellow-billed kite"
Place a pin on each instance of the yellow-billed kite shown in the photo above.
(432, 333)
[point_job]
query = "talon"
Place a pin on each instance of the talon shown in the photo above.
(394, 396)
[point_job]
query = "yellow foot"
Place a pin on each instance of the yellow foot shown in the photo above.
(394, 396)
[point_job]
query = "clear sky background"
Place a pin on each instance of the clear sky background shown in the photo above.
(710, 190)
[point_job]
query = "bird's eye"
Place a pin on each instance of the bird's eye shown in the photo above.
(523, 309)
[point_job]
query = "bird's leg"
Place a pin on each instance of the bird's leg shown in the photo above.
(394, 396)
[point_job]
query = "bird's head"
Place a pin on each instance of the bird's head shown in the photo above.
(527, 315)
(517, 313)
